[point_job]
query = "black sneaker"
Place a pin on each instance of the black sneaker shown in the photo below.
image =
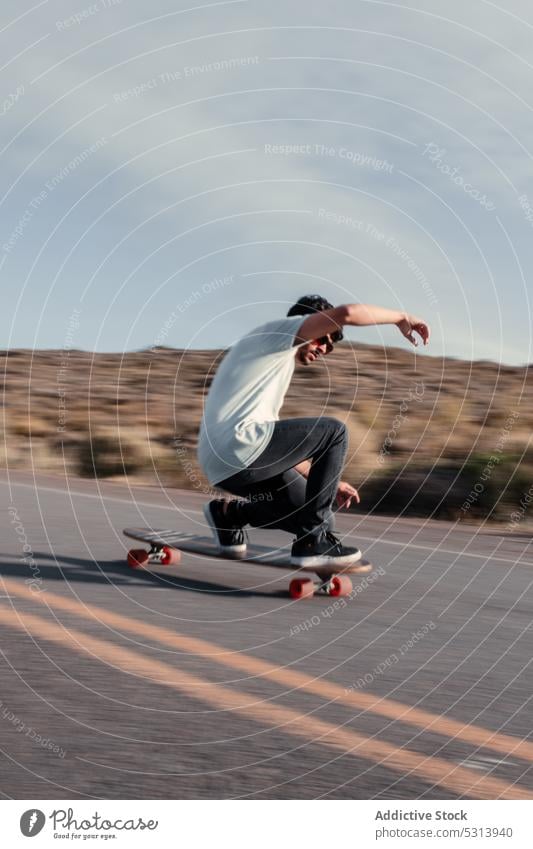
(323, 550)
(230, 537)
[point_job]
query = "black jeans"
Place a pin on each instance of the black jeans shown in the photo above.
(280, 497)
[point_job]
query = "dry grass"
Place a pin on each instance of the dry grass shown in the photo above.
(415, 423)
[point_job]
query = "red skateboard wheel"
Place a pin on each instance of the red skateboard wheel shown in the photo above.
(170, 556)
(340, 585)
(301, 588)
(137, 557)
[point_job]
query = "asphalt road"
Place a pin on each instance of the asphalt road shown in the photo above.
(206, 681)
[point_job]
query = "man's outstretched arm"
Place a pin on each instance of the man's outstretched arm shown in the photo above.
(362, 315)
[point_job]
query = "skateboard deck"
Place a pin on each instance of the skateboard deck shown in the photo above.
(166, 547)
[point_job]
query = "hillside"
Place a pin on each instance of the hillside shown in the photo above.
(423, 429)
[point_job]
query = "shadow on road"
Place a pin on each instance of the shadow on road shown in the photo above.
(118, 573)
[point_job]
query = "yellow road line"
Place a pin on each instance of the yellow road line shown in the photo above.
(473, 735)
(285, 720)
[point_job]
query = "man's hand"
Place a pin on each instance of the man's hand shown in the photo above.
(345, 493)
(409, 325)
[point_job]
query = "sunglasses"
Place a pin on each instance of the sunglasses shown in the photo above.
(331, 339)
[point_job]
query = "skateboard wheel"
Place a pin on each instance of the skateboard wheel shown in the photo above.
(301, 588)
(340, 585)
(137, 557)
(170, 556)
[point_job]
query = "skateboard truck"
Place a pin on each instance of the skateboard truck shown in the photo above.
(164, 554)
(334, 585)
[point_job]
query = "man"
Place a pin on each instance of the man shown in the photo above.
(288, 471)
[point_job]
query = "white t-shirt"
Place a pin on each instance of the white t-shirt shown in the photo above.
(245, 398)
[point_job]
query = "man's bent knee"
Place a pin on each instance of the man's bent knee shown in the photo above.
(337, 428)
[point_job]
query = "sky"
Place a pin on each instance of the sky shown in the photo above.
(179, 173)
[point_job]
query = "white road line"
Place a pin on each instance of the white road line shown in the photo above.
(71, 492)
(437, 550)
(175, 509)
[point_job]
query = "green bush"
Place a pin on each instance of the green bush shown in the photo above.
(480, 488)
(103, 456)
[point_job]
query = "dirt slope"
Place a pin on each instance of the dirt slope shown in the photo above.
(429, 436)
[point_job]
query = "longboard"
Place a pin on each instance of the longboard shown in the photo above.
(166, 547)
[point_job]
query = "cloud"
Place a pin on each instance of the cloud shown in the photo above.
(187, 104)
